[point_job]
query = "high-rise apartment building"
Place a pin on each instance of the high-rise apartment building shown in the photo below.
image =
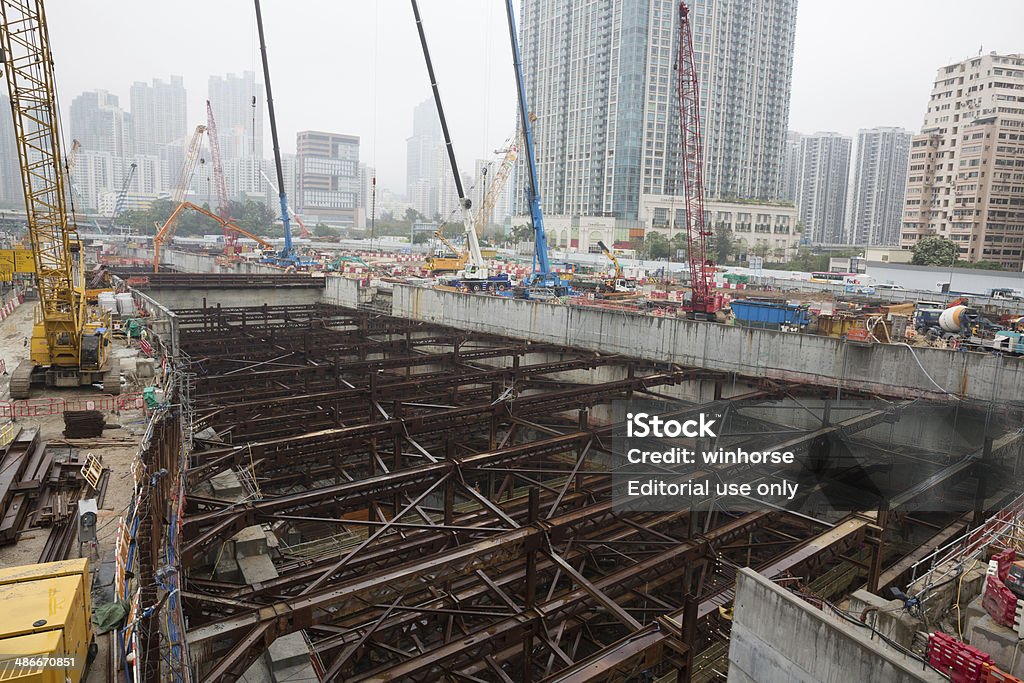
(237, 103)
(824, 176)
(789, 185)
(879, 181)
(100, 124)
(424, 149)
(159, 114)
(327, 177)
(965, 181)
(601, 79)
(10, 173)
(367, 194)
(100, 174)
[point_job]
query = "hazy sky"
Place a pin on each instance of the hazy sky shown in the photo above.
(355, 66)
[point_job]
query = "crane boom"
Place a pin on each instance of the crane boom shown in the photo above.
(69, 167)
(697, 233)
(189, 166)
(286, 253)
(76, 147)
(71, 348)
(28, 61)
(475, 267)
(218, 166)
(542, 275)
(611, 256)
(167, 230)
(121, 195)
(498, 184)
(303, 230)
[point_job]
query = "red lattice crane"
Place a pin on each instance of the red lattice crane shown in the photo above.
(223, 209)
(704, 302)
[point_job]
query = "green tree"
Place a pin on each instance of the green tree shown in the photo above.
(412, 215)
(656, 245)
(521, 233)
(680, 248)
(324, 230)
(981, 265)
(722, 243)
(935, 251)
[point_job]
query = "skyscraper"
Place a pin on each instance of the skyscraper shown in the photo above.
(423, 151)
(367, 197)
(824, 175)
(879, 180)
(964, 181)
(237, 103)
(791, 156)
(601, 79)
(100, 124)
(327, 176)
(10, 173)
(159, 115)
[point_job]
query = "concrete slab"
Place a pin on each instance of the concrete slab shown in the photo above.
(776, 636)
(252, 540)
(144, 367)
(226, 486)
(288, 651)
(299, 673)
(972, 613)
(257, 568)
(259, 672)
(209, 434)
(227, 568)
(1000, 642)
(887, 616)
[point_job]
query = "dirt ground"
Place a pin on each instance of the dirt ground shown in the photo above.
(13, 332)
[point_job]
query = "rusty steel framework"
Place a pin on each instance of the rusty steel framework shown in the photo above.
(444, 507)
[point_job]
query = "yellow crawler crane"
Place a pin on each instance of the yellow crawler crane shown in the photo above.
(440, 262)
(70, 346)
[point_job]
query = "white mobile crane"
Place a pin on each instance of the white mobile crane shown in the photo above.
(474, 276)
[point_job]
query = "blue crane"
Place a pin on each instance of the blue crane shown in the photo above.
(287, 255)
(542, 276)
(122, 195)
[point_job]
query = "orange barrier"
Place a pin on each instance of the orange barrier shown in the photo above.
(39, 407)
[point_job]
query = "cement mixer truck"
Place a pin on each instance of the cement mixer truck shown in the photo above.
(955, 321)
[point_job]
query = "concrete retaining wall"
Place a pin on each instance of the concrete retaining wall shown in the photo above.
(888, 370)
(177, 298)
(776, 636)
(343, 291)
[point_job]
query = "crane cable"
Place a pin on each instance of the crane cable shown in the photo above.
(373, 152)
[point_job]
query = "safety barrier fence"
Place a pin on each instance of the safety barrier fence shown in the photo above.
(10, 304)
(38, 407)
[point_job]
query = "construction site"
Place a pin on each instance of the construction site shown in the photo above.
(227, 468)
